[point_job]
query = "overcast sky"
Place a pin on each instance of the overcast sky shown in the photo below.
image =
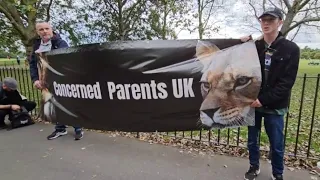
(308, 36)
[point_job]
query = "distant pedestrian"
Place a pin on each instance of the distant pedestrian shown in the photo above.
(18, 60)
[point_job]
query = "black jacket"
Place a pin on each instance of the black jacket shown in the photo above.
(12, 97)
(57, 43)
(275, 93)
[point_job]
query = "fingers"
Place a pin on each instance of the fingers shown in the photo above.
(246, 38)
(37, 84)
(256, 103)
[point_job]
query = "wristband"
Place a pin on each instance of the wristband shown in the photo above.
(10, 106)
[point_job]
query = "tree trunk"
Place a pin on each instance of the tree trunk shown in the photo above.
(200, 28)
(286, 24)
(29, 49)
(164, 26)
(120, 21)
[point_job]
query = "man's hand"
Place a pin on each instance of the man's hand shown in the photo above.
(246, 38)
(37, 84)
(256, 103)
(15, 107)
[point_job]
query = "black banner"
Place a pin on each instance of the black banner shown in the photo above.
(160, 85)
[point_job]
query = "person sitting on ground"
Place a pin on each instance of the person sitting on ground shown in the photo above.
(11, 99)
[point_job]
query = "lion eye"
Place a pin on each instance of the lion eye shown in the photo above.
(205, 86)
(244, 80)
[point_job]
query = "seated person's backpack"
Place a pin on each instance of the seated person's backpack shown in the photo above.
(20, 118)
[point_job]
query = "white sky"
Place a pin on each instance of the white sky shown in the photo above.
(308, 36)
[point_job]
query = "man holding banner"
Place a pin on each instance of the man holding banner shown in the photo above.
(279, 59)
(48, 41)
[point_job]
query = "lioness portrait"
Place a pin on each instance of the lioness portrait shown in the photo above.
(230, 82)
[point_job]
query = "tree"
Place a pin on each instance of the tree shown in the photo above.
(117, 19)
(167, 16)
(205, 14)
(316, 55)
(19, 17)
(9, 40)
(298, 13)
(73, 19)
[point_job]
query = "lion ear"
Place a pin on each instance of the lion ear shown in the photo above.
(205, 49)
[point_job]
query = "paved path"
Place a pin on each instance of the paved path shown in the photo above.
(29, 156)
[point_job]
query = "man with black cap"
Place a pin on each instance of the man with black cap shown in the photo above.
(279, 59)
(11, 99)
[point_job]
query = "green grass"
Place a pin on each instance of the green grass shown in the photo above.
(308, 69)
(11, 62)
(230, 136)
(23, 76)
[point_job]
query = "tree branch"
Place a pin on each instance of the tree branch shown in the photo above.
(110, 4)
(13, 12)
(48, 10)
(38, 4)
(277, 6)
(286, 2)
(251, 26)
(295, 34)
(255, 12)
(315, 8)
(12, 19)
(303, 22)
(124, 2)
(132, 9)
(133, 21)
(264, 5)
(303, 4)
(208, 17)
(203, 6)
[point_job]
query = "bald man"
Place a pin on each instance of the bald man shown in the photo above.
(47, 41)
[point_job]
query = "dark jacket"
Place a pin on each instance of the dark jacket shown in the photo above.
(57, 42)
(12, 97)
(275, 92)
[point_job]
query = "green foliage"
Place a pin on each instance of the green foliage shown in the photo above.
(8, 34)
(308, 53)
(110, 20)
(168, 17)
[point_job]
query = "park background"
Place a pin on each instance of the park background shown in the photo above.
(82, 22)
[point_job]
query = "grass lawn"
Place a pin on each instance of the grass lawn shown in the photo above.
(301, 136)
(11, 62)
(309, 69)
(236, 136)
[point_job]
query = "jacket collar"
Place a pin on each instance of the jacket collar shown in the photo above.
(274, 44)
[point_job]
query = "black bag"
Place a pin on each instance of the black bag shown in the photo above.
(20, 118)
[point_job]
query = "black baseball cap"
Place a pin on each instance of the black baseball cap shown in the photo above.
(275, 12)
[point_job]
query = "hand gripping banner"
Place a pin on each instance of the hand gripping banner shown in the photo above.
(160, 85)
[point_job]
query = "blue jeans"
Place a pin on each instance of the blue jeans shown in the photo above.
(274, 125)
(61, 127)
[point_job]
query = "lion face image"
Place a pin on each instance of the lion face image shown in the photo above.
(230, 82)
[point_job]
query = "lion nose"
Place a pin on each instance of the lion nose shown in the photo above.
(210, 112)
